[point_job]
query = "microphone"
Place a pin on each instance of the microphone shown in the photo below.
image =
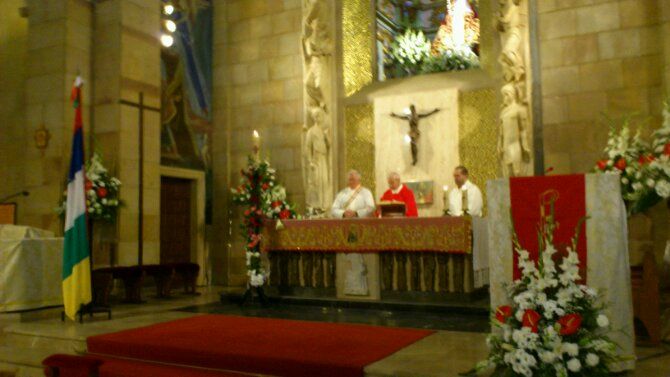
(20, 193)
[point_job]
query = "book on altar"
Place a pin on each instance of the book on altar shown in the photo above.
(392, 208)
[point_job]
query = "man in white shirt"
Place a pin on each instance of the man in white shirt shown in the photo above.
(464, 196)
(353, 201)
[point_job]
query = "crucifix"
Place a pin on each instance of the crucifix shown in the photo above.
(140, 106)
(413, 118)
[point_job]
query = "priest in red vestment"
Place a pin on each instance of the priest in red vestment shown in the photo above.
(400, 193)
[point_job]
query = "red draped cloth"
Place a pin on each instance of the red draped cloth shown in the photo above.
(406, 196)
(529, 198)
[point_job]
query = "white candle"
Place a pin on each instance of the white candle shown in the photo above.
(256, 142)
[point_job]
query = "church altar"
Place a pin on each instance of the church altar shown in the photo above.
(27, 253)
(430, 254)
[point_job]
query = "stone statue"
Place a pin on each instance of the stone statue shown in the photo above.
(515, 120)
(514, 123)
(317, 49)
(511, 35)
(356, 277)
(316, 45)
(413, 118)
(317, 149)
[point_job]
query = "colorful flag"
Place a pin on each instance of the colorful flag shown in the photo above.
(76, 257)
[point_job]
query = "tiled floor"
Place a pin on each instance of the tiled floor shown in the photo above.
(446, 353)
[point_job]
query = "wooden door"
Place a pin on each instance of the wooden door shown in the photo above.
(176, 222)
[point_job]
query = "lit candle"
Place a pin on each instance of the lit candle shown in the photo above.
(256, 142)
(445, 190)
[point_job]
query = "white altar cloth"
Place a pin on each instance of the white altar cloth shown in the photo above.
(30, 269)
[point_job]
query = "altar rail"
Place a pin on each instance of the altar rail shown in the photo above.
(434, 253)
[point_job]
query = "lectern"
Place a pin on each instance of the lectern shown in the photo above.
(392, 209)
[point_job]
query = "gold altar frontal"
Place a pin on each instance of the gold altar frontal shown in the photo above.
(399, 254)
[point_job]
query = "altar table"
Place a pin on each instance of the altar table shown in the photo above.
(30, 268)
(424, 234)
(399, 254)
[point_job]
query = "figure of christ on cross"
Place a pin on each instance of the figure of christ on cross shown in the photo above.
(413, 118)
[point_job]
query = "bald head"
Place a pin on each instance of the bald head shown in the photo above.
(353, 179)
(393, 180)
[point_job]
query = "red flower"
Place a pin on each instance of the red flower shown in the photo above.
(102, 192)
(285, 214)
(265, 186)
(531, 319)
(646, 159)
(570, 323)
(276, 204)
(666, 149)
(503, 312)
(620, 164)
(602, 164)
(88, 185)
(247, 213)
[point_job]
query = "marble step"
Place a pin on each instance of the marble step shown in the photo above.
(41, 342)
(23, 361)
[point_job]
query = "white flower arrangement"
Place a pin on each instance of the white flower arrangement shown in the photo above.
(410, 49)
(102, 191)
(644, 168)
(555, 326)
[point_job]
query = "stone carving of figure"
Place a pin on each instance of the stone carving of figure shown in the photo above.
(514, 145)
(317, 150)
(356, 279)
(511, 35)
(317, 45)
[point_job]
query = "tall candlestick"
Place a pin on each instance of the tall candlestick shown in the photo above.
(445, 207)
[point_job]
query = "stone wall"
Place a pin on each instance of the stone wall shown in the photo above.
(59, 46)
(257, 85)
(13, 44)
(597, 56)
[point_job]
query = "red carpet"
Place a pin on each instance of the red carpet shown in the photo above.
(259, 345)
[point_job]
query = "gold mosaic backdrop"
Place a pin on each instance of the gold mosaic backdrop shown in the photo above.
(478, 135)
(357, 42)
(359, 136)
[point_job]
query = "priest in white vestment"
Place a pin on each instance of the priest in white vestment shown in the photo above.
(465, 197)
(353, 201)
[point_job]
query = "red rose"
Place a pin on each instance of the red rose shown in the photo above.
(247, 213)
(620, 164)
(646, 159)
(602, 164)
(503, 312)
(88, 185)
(276, 204)
(531, 319)
(102, 192)
(285, 214)
(570, 323)
(265, 186)
(666, 149)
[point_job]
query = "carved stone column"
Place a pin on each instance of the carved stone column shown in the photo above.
(386, 260)
(443, 276)
(401, 262)
(330, 269)
(319, 271)
(415, 271)
(308, 269)
(429, 271)
(275, 274)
